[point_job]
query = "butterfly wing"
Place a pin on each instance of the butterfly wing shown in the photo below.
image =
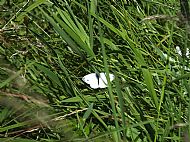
(103, 81)
(92, 80)
(111, 77)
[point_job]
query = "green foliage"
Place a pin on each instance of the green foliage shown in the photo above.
(48, 46)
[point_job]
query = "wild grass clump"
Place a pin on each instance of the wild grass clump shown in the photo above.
(48, 46)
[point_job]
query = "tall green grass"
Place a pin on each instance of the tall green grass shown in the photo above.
(53, 44)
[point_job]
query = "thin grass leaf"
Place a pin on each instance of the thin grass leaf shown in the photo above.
(88, 112)
(78, 24)
(115, 30)
(75, 36)
(87, 98)
(63, 34)
(52, 76)
(76, 33)
(4, 114)
(184, 76)
(6, 128)
(111, 96)
(150, 86)
(28, 9)
(121, 105)
(11, 78)
(110, 26)
(13, 139)
(67, 23)
(92, 9)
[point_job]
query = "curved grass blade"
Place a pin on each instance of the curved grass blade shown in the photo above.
(52, 76)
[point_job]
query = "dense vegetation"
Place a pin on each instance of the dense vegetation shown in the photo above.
(48, 46)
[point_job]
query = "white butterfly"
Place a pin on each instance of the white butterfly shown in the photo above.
(180, 53)
(97, 80)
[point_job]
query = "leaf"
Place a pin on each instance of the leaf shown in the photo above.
(52, 76)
